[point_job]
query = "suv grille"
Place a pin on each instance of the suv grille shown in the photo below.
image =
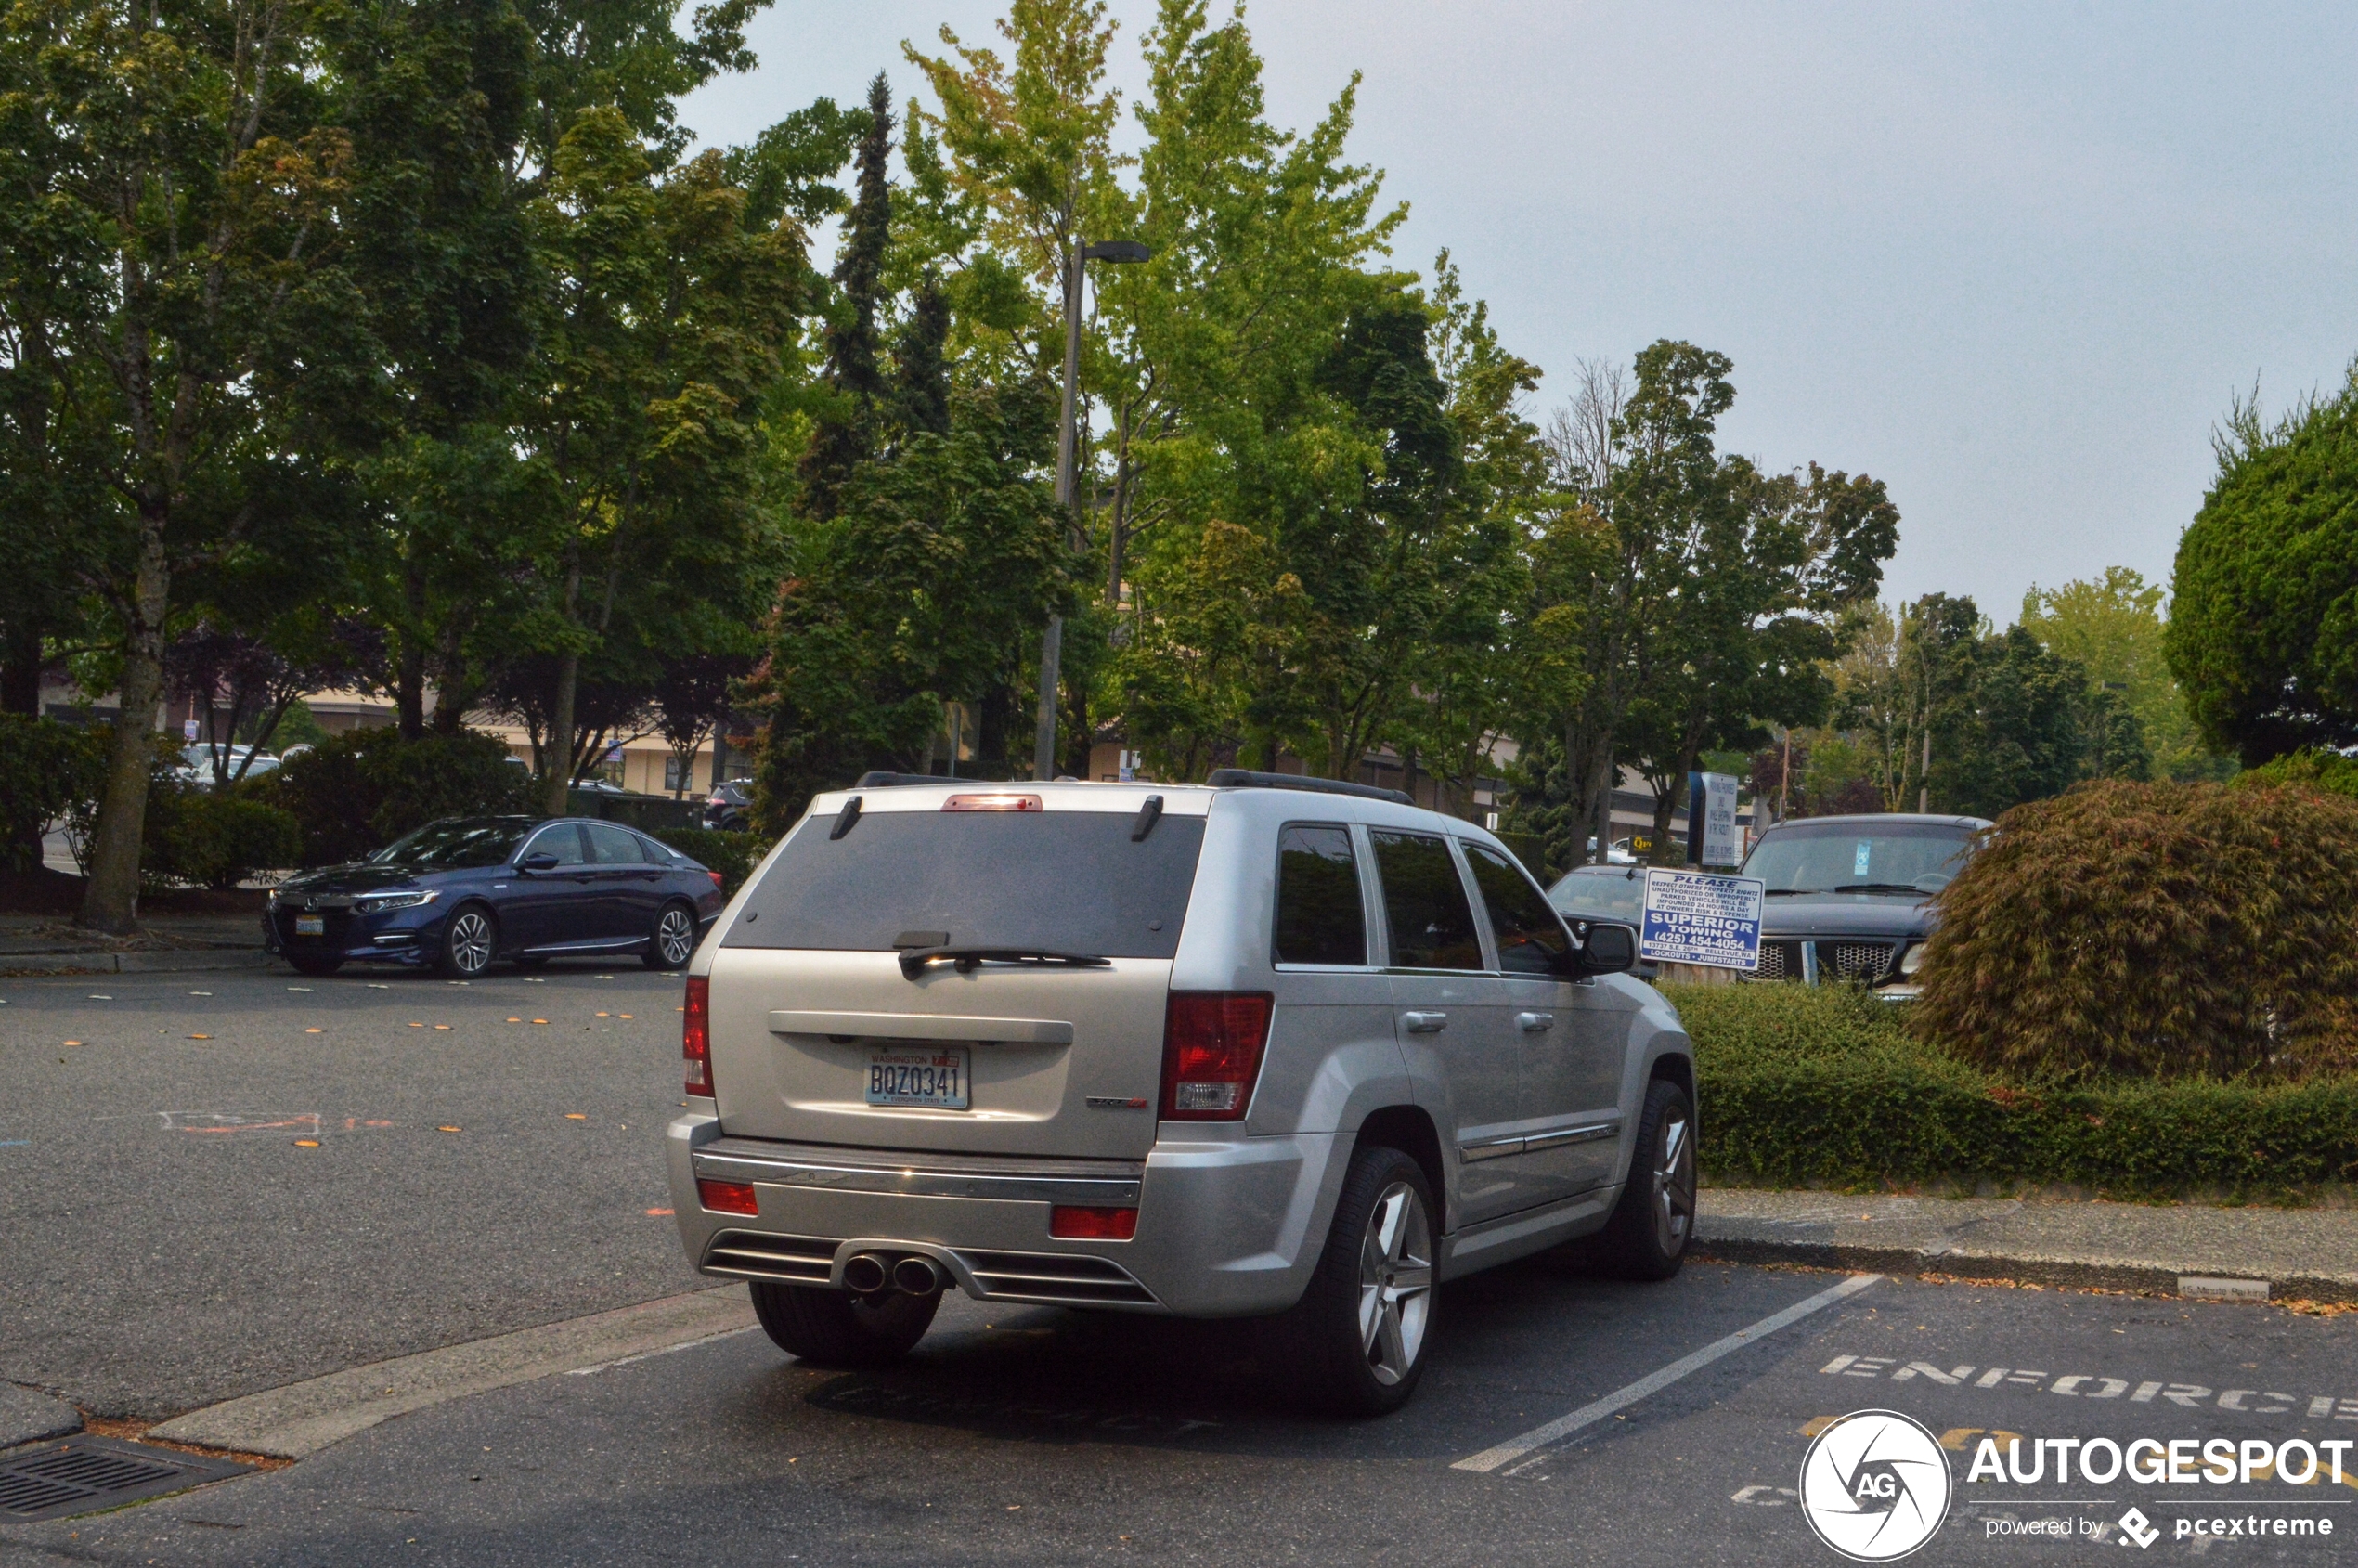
(1855, 960)
(1779, 961)
(803, 1260)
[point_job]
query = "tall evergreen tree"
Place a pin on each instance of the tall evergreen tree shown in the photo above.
(845, 435)
(920, 363)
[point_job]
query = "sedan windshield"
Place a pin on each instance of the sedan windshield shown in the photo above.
(456, 843)
(1914, 858)
(1601, 892)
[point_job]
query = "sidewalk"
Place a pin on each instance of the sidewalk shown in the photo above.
(2176, 1250)
(46, 944)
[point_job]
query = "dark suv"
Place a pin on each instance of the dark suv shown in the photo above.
(1850, 898)
(731, 800)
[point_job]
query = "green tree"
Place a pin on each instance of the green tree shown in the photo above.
(2263, 602)
(643, 438)
(195, 194)
(844, 435)
(2112, 627)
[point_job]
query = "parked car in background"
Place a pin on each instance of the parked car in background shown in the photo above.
(197, 762)
(1850, 898)
(729, 805)
(1264, 1046)
(1615, 893)
(463, 891)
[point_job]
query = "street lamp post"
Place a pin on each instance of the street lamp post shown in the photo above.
(1044, 751)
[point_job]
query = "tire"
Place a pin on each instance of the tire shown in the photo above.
(308, 964)
(838, 1329)
(1655, 1222)
(1357, 1342)
(673, 941)
(470, 941)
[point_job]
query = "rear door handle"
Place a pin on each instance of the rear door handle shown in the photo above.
(1425, 1023)
(1534, 1023)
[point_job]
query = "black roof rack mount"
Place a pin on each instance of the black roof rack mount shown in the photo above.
(882, 780)
(1245, 778)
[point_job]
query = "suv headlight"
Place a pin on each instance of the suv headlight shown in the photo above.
(377, 903)
(1912, 961)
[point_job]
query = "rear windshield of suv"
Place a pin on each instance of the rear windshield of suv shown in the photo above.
(1043, 882)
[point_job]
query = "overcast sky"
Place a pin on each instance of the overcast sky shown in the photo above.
(2013, 260)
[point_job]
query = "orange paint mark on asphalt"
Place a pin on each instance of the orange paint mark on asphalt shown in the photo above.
(307, 1143)
(574, 1116)
(446, 1129)
(376, 1124)
(442, 1025)
(654, 1212)
(515, 1020)
(313, 1031)
(417, 1025)
(625, 1015)
(540, 1020)
(200, 1037)
(73, 1042)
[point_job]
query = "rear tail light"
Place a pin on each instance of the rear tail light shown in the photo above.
(1072, 1223)
(715, 877)
(696, 1036)
(727, 1198)
(1211, 1044)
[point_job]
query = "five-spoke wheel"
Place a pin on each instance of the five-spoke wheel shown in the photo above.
(1395, 1283)
(1355, 1343)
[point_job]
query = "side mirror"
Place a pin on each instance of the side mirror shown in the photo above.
(539, 859)
(1609, 950)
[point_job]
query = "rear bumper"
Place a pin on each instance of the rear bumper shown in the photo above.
(1225, 1229)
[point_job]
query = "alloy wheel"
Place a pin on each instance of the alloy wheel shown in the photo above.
(1674, 1185)
(1395, 1283)
(676, 937)
(469, 943)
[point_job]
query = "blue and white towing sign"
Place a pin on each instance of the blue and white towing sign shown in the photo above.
(1694, 918)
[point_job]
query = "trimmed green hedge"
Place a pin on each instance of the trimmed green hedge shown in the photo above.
(1824, 1086)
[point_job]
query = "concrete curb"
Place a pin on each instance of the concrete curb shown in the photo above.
(29, 1417)
(2137, 1278)
(26, 964)
(300, 1419)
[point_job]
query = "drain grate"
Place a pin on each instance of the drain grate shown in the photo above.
(84, 1474)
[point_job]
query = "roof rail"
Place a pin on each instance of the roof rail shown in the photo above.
(1244, 778)
(879, 779)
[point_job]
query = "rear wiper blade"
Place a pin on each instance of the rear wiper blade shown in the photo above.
(914, 961)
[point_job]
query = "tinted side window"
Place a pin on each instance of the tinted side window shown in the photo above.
(1318, 917)
(563, 841)
(1531, 940)
(1425, 904)
(610, 845)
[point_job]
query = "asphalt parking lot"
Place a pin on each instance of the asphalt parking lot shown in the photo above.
(1564, 1418)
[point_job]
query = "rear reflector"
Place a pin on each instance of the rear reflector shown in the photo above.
(696, 1036)
(727, 1198)
(1000, 802)
(1211, 1044)
(1072, 1223)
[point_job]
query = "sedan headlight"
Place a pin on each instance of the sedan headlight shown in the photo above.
(377, 903)
(1912, 961)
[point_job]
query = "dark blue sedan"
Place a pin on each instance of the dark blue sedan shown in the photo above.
(461, 892)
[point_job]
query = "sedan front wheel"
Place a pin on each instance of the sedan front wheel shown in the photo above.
(468, 943)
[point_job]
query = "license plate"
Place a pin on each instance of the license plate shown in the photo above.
(936, 1080)
(311, 924)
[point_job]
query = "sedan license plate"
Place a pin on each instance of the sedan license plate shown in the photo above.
(311, 924)
(936, 1080)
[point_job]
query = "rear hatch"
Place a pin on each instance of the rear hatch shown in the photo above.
(1037, 1030)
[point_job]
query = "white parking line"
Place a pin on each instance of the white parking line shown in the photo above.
(1523, 1448)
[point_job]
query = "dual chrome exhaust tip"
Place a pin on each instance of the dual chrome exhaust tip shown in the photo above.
(873, 1274)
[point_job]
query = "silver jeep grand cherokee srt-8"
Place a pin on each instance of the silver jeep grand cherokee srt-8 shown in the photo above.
(1267, 1046)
